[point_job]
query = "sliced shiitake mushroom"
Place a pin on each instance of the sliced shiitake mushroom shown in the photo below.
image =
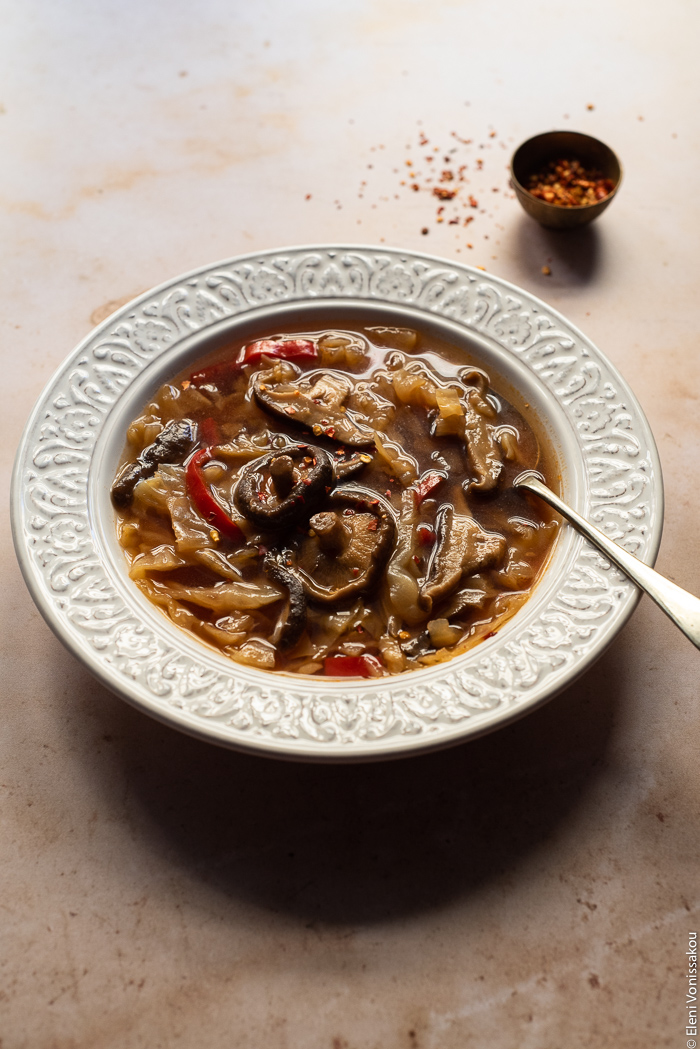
(293, 620)
(315, 402)
(347, 546)
(345, 466)
(170, 446)
(283, 487)
(463, 548)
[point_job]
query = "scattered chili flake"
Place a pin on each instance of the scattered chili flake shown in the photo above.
(473, 202)
(567, 184)
(415, 187)
(290, 410)
(444, 194)
(446, 176)
(330, 432)
(590, 106)
(425, 230)
(307, 197)
(356, 571)
(468, 219)
(546, 270)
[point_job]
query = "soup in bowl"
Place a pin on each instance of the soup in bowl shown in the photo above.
(335, 501)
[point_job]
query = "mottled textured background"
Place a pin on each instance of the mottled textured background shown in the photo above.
(530, 890)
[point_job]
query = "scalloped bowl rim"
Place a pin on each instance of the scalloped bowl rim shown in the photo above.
(490, 657)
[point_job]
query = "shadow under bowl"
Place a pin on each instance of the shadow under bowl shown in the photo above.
(537, 152)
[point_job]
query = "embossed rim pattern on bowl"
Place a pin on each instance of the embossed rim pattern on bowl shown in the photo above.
(64, 534)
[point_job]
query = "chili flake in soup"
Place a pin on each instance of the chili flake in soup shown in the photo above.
(337, 502)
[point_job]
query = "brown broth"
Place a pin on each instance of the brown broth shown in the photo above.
(216, 586)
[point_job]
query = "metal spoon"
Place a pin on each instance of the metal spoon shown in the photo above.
(678, 604)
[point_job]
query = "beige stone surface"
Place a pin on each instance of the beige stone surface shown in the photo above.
(531, 890)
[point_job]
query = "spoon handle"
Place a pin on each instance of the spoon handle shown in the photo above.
(678, 604)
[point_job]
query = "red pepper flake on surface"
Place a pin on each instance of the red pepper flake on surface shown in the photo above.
(444, 194)
(473, 202)
(425, 230)
(567, 184)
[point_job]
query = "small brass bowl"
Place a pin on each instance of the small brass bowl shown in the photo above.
(537, 152)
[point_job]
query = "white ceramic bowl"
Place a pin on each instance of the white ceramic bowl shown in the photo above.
(63, 520)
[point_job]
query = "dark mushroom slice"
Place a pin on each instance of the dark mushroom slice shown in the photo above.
(293, 620)
(418, 646)
(317, 405)
(345, 466)
(170, 446)
(483, 450)
(283, 487)
(463, 548)
(347, 547)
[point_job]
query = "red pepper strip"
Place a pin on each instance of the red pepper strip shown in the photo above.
(426, 485)
(209, 430)
(206, 504)
(285, 349)
(215, 374)
(351, 666)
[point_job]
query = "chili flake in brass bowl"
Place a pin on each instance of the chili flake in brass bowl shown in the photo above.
(564, 178)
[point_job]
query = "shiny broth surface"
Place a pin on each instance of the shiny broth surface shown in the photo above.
(334, 502)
